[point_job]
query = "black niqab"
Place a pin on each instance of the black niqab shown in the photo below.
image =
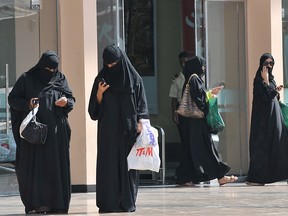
(111, 54)
(56, 80)
(121, 77)
(49, 59)
(263, 58)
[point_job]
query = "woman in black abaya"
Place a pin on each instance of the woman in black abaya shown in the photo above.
(43, 171)
(268, 135)
(117, 101)
(199, 160)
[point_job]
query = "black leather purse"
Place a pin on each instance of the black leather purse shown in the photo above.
(35, 132)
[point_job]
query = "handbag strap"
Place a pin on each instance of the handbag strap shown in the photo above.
(34, 112)
(194, 74)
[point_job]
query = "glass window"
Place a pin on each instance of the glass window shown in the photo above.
(139, 35)
(109, 25)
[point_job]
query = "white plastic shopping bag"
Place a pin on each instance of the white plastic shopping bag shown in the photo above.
(27, 120)
(144, 155)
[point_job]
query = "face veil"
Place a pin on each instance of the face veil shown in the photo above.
(48, 61)
(121, 77)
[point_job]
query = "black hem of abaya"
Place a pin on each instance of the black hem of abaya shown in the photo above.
(83, 188)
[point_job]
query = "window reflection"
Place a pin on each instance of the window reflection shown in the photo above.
(109, 25)
(139, 35)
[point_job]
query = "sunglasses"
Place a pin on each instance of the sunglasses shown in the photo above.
(266, 63)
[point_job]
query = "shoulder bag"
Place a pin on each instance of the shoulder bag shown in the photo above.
(188, 107)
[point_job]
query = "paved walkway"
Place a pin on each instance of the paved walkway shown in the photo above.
(232, 199)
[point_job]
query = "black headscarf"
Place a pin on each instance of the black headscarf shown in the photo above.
(197, 88)
(194, 66)
(56, 80)
(49, 59)
(122, 77)
(263, 58)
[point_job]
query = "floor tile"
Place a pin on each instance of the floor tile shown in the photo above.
(231, 199)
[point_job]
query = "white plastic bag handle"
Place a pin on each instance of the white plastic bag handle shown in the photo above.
(148, 134)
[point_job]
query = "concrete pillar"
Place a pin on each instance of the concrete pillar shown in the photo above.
(78, 52)
(264, 34)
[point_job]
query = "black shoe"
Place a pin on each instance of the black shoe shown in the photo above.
(42, 209)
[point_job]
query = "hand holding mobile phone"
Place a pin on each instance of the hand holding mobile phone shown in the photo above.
(280, 87)
(35, 101)
(217, 90)
(101, 80)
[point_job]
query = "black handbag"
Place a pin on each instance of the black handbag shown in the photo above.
(35, 132)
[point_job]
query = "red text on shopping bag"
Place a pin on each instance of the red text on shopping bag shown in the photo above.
(144, 151)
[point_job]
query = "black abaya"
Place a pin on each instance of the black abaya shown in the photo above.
(116, 187)
(43, 171)
(123, 104)
(268, 135)
(199, 159)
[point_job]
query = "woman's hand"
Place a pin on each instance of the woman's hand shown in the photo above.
(102, 87)
(265, 75)
(175, 118)
(279, 88)
(139, 127)
(217, 90)
(61, 102)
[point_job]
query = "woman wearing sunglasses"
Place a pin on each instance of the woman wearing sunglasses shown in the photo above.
(268, 135)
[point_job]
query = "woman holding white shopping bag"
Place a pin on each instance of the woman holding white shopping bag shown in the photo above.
(118, 102)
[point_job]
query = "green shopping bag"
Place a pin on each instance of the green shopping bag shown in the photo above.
(214, 119)
(284, 109)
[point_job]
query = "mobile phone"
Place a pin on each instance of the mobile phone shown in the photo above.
(35, 101)
(101, 80)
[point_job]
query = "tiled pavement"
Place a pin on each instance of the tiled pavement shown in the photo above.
(231, 199)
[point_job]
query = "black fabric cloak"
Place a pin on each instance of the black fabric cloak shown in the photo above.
(268, 136)
(123, 104)
(43, 171)
(199, 159)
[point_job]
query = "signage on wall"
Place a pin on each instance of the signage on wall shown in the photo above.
(188, 24)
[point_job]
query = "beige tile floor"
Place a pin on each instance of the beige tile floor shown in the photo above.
(232, 199)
